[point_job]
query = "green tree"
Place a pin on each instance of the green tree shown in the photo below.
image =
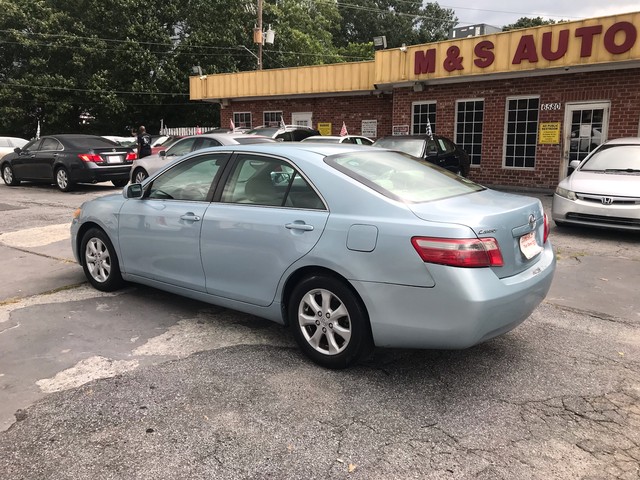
(526, 22)
(400, 21)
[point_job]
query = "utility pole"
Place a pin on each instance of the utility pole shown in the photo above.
(260, 32)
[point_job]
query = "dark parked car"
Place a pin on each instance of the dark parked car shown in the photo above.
(289, 133)
(69, 159)
(438, 150)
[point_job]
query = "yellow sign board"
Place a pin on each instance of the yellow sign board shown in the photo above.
(549, 133)
(324, 128)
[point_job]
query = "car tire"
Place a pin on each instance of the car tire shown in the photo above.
(139, 175)
(119, 183)
(100, 261)
(62, 180)
(330, 342)
(8, 176)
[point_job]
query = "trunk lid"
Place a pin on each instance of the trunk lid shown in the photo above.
(506, 217)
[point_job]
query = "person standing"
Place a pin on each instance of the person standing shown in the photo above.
(144, 142)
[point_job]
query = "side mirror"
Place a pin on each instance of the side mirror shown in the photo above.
(133, 191)
(17, 150)
(574, 164)
(162, 153)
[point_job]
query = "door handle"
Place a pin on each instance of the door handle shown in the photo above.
(190, 217)
(299, 226)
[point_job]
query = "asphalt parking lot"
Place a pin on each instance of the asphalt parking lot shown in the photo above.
(143, 384)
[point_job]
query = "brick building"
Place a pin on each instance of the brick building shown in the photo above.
(522, 103)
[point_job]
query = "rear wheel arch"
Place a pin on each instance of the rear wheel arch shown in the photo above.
(307, 272)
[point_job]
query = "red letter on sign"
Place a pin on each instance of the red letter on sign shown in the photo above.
(484, 54)
(563, 45)
(587, 34)
(425, 62)
(526, 50)
(630, 33)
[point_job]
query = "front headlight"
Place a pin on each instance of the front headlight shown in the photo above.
(563, 192)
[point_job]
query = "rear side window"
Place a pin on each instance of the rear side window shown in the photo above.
(265, 181)
(92, 142)
(401, 177)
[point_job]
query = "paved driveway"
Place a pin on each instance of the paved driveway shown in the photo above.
(142, 384)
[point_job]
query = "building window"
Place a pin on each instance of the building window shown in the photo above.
(271, 119)
(423, 113)
(469, 119)
(522, 132)
(242, 119)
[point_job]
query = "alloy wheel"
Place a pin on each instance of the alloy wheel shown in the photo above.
(324, 322)
(98, 260)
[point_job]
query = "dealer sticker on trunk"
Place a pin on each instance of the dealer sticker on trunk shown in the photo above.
(529, 246)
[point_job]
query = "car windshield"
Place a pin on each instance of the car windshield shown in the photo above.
(614, 157)
(402, 177)
(412, 146)
(248, 140)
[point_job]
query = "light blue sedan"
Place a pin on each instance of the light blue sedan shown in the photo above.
(351, 246)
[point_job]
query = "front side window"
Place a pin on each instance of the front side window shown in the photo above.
(424, 114)
(242, 119)
(469, 121)
(521, 132)
(190, 180)
(258, 180)
(32, 146)
(401, 177)
(272, 119)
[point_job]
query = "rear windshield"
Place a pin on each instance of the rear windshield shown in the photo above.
(412, 146)
(92, 142)
(402, 177)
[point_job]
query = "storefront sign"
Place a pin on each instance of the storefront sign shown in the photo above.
(576, 43)
(549, 133)
(324, 128)
(369, 128)
(401, 129)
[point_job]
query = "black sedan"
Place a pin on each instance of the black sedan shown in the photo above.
(68, 159)
(438, 150)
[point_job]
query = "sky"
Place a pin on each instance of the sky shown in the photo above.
(503, 12)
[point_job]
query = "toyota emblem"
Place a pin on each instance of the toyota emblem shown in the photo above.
(532, 221)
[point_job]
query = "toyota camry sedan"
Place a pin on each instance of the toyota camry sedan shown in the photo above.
(351, 247)
(604, 189)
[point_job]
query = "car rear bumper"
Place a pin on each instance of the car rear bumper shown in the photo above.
(464, 308)
(594, 214)
(95, 173)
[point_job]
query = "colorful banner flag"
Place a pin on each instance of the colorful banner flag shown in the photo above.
(429, 131)
(343, 130)
(231, 124)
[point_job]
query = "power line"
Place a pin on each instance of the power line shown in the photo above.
(88, 90)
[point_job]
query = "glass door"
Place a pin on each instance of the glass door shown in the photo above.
(585, 127)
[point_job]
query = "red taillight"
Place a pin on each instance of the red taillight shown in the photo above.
(546, 229)
(90, 157)
(131, 156)
(459, 252)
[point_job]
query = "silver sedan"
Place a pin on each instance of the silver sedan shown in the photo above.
(604, 189)
(147, 166)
